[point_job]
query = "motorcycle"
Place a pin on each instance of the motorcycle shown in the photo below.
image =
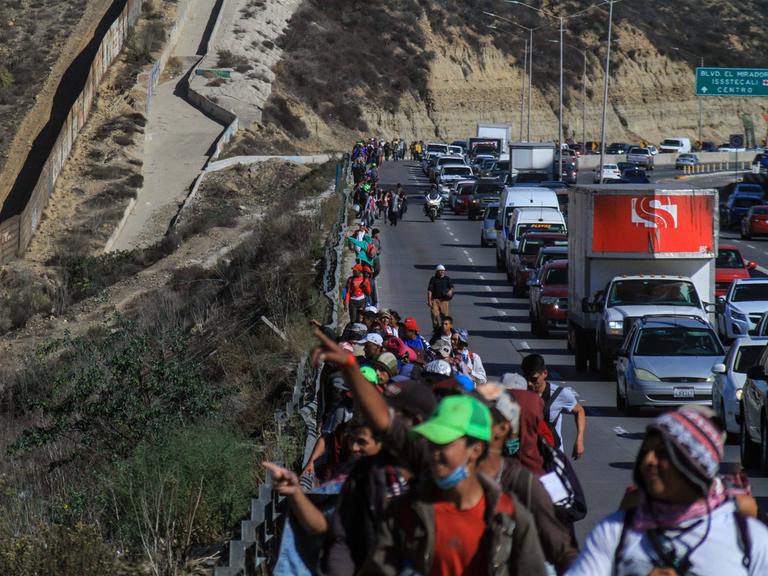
(433, 207)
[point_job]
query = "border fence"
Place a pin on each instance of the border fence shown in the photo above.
(256, 541)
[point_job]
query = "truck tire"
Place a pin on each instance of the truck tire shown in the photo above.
(579, 350)
(534, 324)
(604, 367)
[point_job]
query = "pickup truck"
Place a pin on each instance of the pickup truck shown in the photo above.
(635, 250)
(640, 157)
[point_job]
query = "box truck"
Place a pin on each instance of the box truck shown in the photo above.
(633, 251)
(531, 162)
(499, 131)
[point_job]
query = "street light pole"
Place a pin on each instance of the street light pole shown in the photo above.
(530, 80)
(605, 89)
(560, 142)
(584, 104)
(522, 88)
(701, 109)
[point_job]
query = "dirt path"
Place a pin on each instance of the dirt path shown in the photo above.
(178, 136)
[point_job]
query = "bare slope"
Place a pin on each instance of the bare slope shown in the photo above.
(423, 68)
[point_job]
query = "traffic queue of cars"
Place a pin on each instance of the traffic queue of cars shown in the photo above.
(682, 322)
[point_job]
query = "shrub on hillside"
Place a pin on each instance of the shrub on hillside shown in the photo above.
(107, 395)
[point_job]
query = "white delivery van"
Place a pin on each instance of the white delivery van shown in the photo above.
(534, 219)
(675, 145)
(514, 197)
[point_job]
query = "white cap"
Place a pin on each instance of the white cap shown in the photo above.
(439, 268)
(373, 338)
(371, 309)
(514, 381)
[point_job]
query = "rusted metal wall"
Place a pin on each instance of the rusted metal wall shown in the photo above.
(17, 232)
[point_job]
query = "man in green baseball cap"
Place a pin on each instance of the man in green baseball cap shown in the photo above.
(442, 526)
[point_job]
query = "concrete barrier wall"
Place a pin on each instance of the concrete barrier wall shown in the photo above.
(16, 232)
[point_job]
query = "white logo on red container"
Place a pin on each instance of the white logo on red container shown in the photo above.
(653, 213)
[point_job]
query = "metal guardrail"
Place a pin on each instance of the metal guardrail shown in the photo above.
(247, 553)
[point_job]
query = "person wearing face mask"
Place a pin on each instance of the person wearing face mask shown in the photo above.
(685, 524)
(454, 505)
(457, 521)
(502, 465)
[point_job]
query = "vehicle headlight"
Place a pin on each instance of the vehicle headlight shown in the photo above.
(616, 327)
(549, 300)
(641, 374)
(711, 378)
(739, 316)
(475, 201)
(739, 394)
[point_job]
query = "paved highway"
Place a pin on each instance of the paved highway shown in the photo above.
(500, 333)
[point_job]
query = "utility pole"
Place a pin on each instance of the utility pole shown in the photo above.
(530, 79)
(522, 88)
(560, 143)
(605, 89)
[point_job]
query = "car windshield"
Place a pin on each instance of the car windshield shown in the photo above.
(653, 292)
(491, 213)
(489, 188)
(729, 258)
(530, 246)
(501, 165)
(465, 190)
(759, 211)
(639, 151)
(557, 276)
(677, 341)
(746, 357)
(437, 148)
(545, 257)
(456, 170)
(675, 143)
(540, 227)
(751, 188)
(610, 167)
(746, 202)
(750, 292)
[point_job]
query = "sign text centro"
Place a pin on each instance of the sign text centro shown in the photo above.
(731, 81)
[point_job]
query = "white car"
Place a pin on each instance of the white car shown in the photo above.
(610, 172)
(730, 377)
(652, 149)
(740, 310)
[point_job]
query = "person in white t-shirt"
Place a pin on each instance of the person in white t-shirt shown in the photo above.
(685, 523)
(557, 400)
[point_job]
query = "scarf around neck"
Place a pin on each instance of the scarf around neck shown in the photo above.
(657, 514)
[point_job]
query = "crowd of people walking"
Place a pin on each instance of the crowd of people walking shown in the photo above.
(426, 465)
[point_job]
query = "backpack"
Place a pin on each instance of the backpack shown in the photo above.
(573, 507)
(549, 398)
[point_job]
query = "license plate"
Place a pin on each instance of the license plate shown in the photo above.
(682, 392)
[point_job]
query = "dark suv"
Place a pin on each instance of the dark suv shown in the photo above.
(486, 191)
(618, 148)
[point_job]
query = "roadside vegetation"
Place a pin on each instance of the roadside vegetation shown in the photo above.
(133, 447)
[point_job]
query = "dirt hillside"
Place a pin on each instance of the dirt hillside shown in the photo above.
(421, 68)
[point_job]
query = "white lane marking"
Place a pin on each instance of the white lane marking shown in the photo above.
(449, 232)
(488, 289)
(524, 345)
(502, 312)
(762, 269)
(766, 253)
(483, 277)
(619, 431)
(465, 251)
(470, 260)
(513, 328)
(455, 239)
(750, 246)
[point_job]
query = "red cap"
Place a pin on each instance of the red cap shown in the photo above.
(398, 347)
(357, 268)
(410, 324)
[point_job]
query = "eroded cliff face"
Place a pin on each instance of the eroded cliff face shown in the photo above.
(651, 96)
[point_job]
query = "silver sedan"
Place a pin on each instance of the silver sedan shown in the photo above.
(667, 361)
(730, 377)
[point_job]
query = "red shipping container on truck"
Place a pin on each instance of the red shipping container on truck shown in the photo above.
(652, 224)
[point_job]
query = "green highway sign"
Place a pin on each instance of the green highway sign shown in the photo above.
(731, 81)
